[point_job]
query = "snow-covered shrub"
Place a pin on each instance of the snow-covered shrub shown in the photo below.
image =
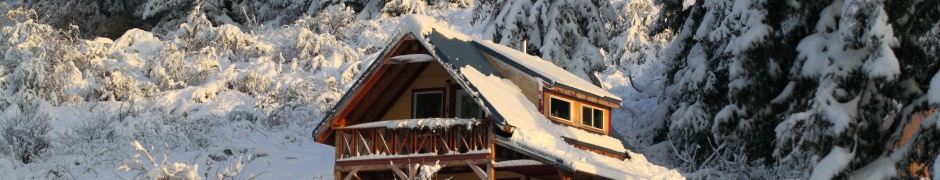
(41, 60)
(93, 130)
(290, 114)
(245, 112)
(337, 20)
(88, 143)
(168, 69)
(202, 66)
(159, 169)
(253, 83)
(234, 169)
(25, 125)
(198, 34)
(197, 132)
(120, 86)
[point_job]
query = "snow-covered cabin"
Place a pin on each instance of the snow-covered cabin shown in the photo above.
(474, 110)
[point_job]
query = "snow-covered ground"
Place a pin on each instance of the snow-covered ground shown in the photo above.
(210, 101)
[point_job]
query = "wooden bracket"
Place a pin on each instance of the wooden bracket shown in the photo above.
(352, 174)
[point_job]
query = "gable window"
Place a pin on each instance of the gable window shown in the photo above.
(560, 108)
(466, 107)
(428, 104)
(592, 117)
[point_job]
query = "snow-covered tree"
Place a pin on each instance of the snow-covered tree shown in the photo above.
(569, 33)
(819, 82)
(167, 14)
(95, 18)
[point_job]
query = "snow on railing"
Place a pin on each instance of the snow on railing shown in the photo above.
(380, 140)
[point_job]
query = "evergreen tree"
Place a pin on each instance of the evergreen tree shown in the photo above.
(107, 18)
(814, 87)
(570, 33)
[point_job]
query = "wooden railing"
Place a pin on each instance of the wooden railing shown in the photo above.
(412, 141)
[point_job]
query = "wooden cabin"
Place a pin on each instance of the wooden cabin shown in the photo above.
(478, 109)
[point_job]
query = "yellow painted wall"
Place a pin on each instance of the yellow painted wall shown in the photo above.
(434, 76)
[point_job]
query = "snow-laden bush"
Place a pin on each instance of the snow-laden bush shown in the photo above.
(338, 19)
(155, 169)
(97, 129)
(168, 69)
(40, 59)
(25, 127)
(253, 83)
(120, 86)
(234, 169)
(245, 113)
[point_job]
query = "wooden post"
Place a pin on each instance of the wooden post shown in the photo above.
(339, 144)
(394, 137)
(491, 170)
(375, 141)
(489, 145)
(354, 143)
(563, 176)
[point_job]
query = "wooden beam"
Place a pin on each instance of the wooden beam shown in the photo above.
(371, 79)
(592, 99)
(401, 175)
(367, 97)
(382, 165)
(352, 174)
(480, 172)
(409, 76)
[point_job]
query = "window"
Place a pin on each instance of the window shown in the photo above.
(560, 108)
(428, 104)
(466, 107)
(592, 117)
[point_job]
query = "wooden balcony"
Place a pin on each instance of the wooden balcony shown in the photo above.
(392, 144)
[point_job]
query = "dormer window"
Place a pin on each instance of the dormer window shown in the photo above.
(560, 108)
(592, 117)
(576, 111)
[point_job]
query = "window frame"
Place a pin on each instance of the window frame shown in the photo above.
(457, 106)
(414, 99)
(571, 111)
(593, 108)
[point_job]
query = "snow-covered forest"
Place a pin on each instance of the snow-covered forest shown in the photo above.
(231, 89)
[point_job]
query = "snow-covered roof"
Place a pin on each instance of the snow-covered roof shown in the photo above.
(538, 67)
(430, 123)
(539, 135)
(518, 163)
(461, 56)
